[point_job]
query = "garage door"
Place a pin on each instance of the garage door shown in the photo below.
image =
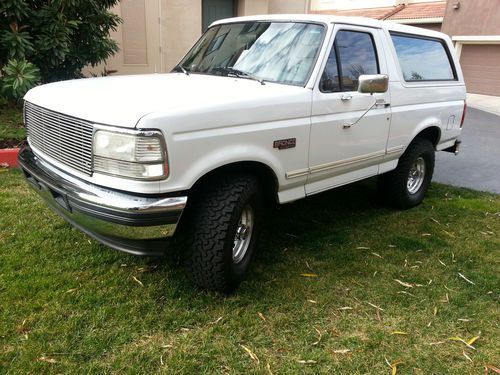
(480, 65)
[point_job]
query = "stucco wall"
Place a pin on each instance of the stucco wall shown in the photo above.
(474, 17)
(181, 27)
(252, 7)
(428, 26)
(359, 4)
(287, 6)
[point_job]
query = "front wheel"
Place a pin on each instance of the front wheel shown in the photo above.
(406, 186)
(224, 232)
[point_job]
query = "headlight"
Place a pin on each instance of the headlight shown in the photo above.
(139, 156)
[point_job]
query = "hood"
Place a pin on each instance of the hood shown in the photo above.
(124, 100)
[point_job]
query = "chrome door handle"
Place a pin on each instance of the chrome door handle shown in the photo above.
(346, 97)
(382, 102)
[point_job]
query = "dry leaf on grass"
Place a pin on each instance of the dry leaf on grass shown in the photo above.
(466, 279)
(405, 292)
(393, 366)
(47, 360)
(492, 368)
(216, 321)
(398, 333)
(446, 299)
(472, 340)
(372, 305)
(443, 263)
(319, 337)
(437, 343)
(138, 281)
(341, 351)
(457, 338)
(250, 353)
(448, 233)
(407, 285)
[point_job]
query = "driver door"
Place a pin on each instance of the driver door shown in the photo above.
(338, 154)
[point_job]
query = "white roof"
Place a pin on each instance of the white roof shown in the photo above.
(360, 21)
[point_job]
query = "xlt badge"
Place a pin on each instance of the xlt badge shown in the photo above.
(282, 144)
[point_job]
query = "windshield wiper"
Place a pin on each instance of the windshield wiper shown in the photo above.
(241, 74)
(183, 70)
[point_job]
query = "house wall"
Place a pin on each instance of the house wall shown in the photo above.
(182, 19)
(475, 28)
(428, 26)
(252, 7)
(181, 28)
(473, 17)
(359, 4)
(287, 6)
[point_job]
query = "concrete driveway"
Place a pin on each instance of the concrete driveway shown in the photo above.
(477, 166)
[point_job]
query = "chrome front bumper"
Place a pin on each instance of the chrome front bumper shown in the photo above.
(123, 221)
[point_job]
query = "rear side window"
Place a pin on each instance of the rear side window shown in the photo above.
(423, 59)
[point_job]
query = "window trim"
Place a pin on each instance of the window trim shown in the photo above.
(429, 38)
(338, 60)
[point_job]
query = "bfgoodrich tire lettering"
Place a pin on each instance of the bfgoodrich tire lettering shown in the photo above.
(215, 222)
(400, 187)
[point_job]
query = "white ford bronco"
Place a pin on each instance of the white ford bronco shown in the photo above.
(268, 107)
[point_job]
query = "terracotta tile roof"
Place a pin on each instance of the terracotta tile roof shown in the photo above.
(420, 10)
(377, 13)
(399, 12)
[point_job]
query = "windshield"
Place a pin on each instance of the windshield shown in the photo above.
(282, 52)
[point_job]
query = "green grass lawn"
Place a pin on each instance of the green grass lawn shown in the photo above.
(12, 130)
(341, 285)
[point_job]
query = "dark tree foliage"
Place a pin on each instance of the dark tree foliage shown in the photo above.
(58, 37)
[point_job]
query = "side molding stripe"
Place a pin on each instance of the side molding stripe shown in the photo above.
(337, 164)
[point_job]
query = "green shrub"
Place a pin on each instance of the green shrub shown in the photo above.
(18, 77)
(57, 38)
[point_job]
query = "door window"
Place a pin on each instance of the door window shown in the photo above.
(353, 54)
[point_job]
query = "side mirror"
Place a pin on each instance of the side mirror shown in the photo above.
(373, 83)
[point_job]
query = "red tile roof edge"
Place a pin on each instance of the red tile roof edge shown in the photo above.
(394, 13)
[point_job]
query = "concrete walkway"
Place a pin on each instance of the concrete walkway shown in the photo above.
(477, 166)
(485, 103)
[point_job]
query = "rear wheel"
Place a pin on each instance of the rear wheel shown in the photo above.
(406, 186)
(223, 232)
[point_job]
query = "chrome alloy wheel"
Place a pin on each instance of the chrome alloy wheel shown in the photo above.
(416, 176)
(243, 234)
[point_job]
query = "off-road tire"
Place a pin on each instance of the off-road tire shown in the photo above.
(213, 224)
(393, 185)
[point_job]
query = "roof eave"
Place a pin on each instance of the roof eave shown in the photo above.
(413, 21)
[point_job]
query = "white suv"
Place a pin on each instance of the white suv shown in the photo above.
(267, 107)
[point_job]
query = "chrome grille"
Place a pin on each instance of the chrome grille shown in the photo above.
(64, 138)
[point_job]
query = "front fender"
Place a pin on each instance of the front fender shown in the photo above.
(231, 154)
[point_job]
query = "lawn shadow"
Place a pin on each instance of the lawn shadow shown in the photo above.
(301, 229)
